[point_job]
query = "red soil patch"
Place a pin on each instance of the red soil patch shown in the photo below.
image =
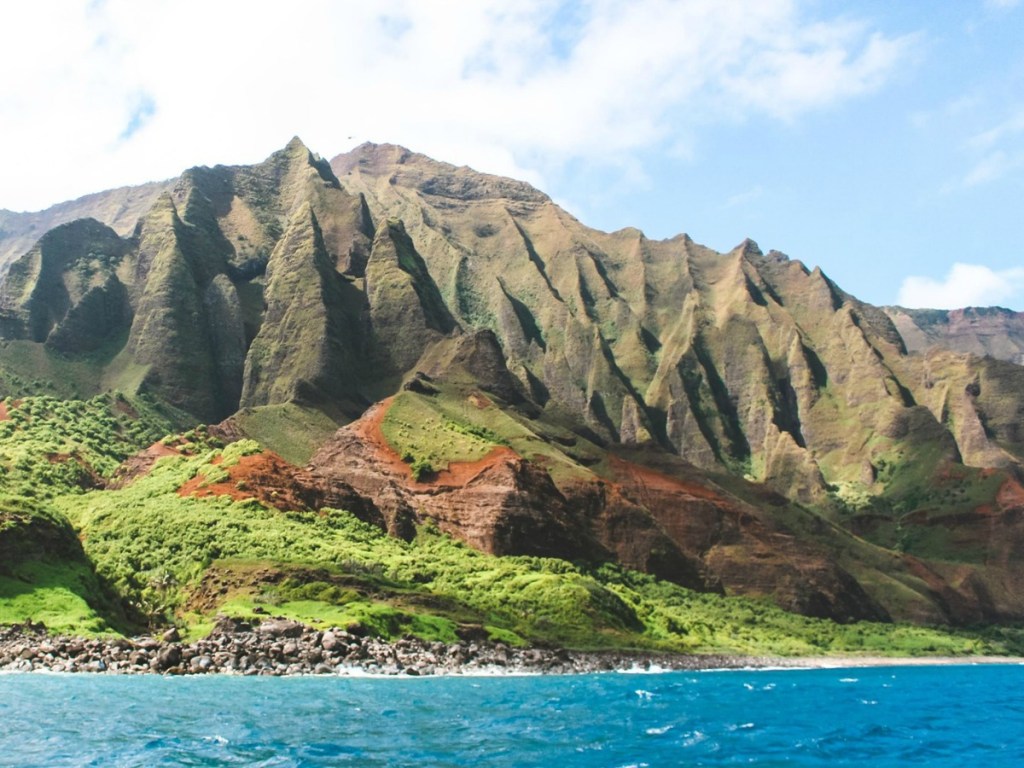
(266, 477)
(461, 473)
(478, 400)
(160, 449)
(458, 473)
(636, 475)
(1011, 494)
(139, 465)
(4, 415)
(369, 429)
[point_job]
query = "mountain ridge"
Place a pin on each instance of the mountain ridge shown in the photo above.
(733, 422)
(984, 331)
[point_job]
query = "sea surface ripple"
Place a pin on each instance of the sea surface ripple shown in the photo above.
(936, 716)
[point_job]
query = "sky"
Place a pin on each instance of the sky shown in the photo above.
(882, 141)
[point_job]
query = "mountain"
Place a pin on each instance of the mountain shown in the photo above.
(983, 331)
(120, 209)
(447, 348)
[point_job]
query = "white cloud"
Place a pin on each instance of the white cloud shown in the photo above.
(993, 167)
(114, 92)
(966, 285)
(996, 153)
(747, 196)
(822, 66)
(1002, 4)
(1010, 127)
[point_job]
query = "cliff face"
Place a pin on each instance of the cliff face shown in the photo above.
(982, 331)
(730, 421)
(504, 503)
(743, 361)
(228, 279)
(120, 209)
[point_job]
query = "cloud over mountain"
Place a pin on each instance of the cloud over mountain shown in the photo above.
(133, 92)
(965, 285)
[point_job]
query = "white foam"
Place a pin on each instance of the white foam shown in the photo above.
(653, 669)
(495, 671)
(741, 727)
(696, 737)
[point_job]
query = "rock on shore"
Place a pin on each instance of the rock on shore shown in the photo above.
(279, 647)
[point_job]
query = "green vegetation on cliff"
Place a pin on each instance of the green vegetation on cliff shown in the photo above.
(66, 597)
(48, 446)
(51, 448)
(429, 439)
(149, 554)
(185, 559)
(734, 422)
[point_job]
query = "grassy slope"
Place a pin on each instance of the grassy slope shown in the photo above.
(156, 547)
(66, 597)
(144, 552)
(48, 448)
(462, 424)
(289, 429)
(42, 433)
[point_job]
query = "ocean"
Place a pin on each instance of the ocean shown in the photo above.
(935, 716)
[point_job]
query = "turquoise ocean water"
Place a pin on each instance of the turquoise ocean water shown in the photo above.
(935, 716)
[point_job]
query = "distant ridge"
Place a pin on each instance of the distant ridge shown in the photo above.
(993, 331)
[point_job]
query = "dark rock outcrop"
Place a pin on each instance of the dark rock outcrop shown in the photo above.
(277, 648)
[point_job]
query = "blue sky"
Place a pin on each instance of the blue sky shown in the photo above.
(883, 141)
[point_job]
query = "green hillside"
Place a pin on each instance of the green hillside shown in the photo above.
(416, 398)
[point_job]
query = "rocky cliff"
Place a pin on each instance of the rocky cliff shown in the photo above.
(744, 361)
(734, 422)
(982, 331)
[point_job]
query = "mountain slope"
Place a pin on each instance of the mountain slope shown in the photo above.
(991, 331)
(120, 209)
(742, 360)
(732, 422)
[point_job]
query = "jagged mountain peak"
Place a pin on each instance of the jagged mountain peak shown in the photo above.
(993, 331)
(294, 158)
(400, 166)
(748, 248)
(298, 284)
(369, 154)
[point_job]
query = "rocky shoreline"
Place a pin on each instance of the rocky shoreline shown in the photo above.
(279, 647)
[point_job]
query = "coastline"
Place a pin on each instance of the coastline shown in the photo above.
(280, 648)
